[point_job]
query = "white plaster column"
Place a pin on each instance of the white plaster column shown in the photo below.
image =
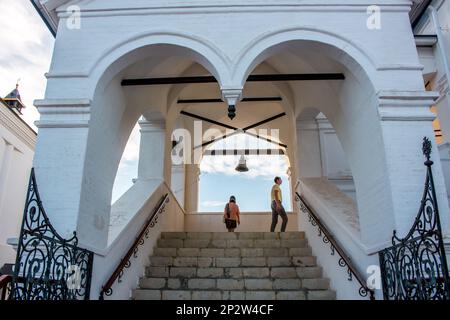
(152, 149)
(443, 109)
(292, 186)
(178, 182)
(405, 120)
(60, 159)
(334, 160)
(443, 67)
(191, 188)
(443, 112)
(309, 161)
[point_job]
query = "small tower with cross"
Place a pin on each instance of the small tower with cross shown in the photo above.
(13, 100)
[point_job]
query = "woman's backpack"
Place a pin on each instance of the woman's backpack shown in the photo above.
(229, 223)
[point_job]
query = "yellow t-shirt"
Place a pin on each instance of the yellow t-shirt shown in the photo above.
(276, 187)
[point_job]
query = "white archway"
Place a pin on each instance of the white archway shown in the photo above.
(115, 111)
(352, 109)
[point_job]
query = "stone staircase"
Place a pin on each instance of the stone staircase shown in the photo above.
(233, 266)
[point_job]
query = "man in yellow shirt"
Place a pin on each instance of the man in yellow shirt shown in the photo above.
(277, 206)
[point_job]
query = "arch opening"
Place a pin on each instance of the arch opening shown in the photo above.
(114, 133)
(251, 188)
(350, 109)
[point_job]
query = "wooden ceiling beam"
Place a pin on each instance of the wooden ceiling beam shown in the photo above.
(251, 78)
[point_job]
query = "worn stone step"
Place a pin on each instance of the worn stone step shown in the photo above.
(141, 294)
(232, 235)
(224, 262)
(321, 295)
(232, 243)
(234, 272)
(232, 252)
(233, 284)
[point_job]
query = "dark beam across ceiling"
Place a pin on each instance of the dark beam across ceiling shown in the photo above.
(251, 78)
(256, 99)
(195, 116)
(247, 152)
(236, 130)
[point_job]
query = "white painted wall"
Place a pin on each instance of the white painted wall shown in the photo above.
(444, 151)
(17, 141)
(250, 222)
(105, 261)
(438, 24)
(320, 153)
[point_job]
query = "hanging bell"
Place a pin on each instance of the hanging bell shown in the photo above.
(242, 166)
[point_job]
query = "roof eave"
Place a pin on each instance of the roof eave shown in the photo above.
(49, 21)
(418, 11)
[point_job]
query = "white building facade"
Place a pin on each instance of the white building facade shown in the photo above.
(17, 142)
(435, 56)
(353, 126)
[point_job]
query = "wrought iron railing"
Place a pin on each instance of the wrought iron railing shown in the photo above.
(5, 286)
(48, 267)
(328, 238)
(125, 262)
(415, 267)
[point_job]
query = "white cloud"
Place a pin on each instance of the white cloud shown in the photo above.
(259, 166)
(26, 52)
(245, 141)
(128, 166)
(212, 204)
(131, 152)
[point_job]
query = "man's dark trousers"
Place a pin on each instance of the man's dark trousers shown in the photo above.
(281, 212)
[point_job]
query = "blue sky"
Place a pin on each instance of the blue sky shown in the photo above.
(219, 179)
(252, 193)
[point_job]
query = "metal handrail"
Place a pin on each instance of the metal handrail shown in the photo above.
(132, 251)
(345, 260)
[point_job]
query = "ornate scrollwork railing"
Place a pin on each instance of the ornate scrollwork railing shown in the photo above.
(5, 286)
(328, 238)
(415, 267)
(125, 262)
(48, 267)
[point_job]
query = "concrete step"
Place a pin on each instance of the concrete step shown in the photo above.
(233, 266)
(234, 273)
(232, 243)
(233, 235)
(232, 252)
(224, 262)
(142, 294)
(233, 284)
